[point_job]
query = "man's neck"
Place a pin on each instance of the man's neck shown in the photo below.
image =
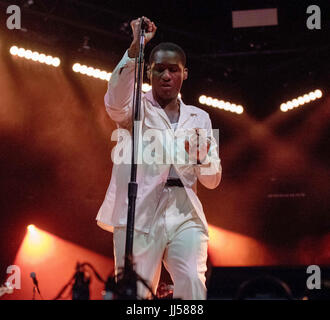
(170, 105)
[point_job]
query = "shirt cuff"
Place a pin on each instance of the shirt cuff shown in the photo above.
(126, 60)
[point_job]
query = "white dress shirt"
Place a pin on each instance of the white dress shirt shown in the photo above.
(172, 174)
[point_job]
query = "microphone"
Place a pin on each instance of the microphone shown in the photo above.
(35, 281)
(143, 25)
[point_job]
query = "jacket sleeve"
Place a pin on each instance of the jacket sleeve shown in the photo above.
(119, 95)
(209, 172)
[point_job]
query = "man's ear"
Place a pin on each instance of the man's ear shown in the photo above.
(185, 73)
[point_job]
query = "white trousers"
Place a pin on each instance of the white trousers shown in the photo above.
(177, 238)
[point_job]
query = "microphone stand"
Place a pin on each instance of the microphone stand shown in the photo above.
(130, 277)
(34, 293)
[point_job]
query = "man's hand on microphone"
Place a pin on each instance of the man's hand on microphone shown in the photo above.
(197, 146)
(149, 34)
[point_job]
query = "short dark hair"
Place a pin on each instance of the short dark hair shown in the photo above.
(168, 46)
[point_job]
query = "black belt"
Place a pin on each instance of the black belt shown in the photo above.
(174, 183)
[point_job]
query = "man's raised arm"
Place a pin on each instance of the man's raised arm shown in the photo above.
(119, 96)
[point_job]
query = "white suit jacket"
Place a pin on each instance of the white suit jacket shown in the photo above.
(151, 178)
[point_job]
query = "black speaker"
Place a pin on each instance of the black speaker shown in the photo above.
(265, 283)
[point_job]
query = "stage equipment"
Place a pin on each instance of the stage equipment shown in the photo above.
(80, 282)
(265, 283)
(35, 285)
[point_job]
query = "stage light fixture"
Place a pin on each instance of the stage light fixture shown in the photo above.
(31, 228)
(35, 56)
(202, 99)
(312, 96)
(318, 93)
(28, 54)
(306, 98)
(42, 58)
(220, 104)
(13, 50)
(37, 245)
(56, 62)
(240, 109)
(301, 100)
(290, 105)
(284, 107)
(214, 103)
(295, 102)
(91, 72)
(76, 67)
(21, 52)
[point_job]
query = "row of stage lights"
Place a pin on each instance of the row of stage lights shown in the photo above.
(55, 61)
(300, 101)
(220, 104)
(35, 56)
(104, 75)
(92, 72)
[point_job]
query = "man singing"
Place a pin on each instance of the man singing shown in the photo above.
(170, 224)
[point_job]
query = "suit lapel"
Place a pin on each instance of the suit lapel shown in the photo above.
(163, 114)
(158, 109)
(186, 114)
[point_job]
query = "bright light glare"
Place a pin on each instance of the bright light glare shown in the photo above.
(37, 245)
(240, 110)
(208, 101)
(214, 103)
(306, 98)
(289, 105)
(301, 100)
(49, 60)
(312, 95)
(56, 62)
(28, 54)
(21, 52)
(146, 87)
(202, 99)
(76, 67)
(35, 56)
(295, 102)
(318, 93)
(31, 228)
(13, 50)
(227, 106)
(284, 107)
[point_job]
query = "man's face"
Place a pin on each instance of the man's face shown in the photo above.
(166, 75)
